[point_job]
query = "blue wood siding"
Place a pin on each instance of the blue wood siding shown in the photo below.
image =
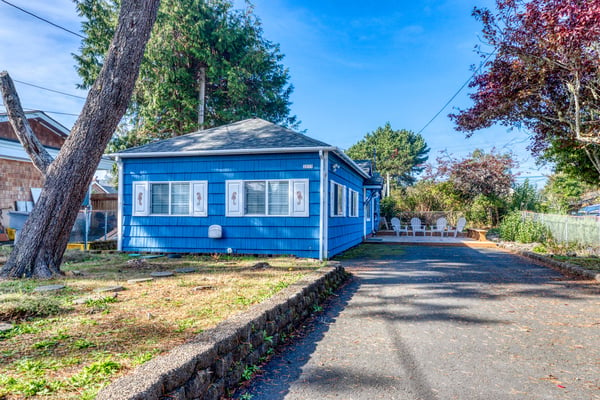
(250, 235)
(344, 232)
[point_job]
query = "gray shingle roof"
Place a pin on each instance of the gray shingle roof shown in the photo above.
(249, 134)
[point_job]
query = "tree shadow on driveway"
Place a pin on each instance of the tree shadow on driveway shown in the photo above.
(397, 311)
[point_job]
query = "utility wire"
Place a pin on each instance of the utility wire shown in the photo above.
(46, 111)
(43, 19)
(457, 92)
(47, 89)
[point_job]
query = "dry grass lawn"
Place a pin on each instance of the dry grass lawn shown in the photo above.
(68, 344)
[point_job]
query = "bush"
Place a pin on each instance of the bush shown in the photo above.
(515, 228)
(388, 207)
(485, 210)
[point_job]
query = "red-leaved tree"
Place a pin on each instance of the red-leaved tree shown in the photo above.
(480, 173)
(544, 75)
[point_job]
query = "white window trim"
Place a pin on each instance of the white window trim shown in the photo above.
(145, 188)
(353, 211)
(332, 203)
(298, 204)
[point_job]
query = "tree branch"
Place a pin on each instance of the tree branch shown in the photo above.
(36, 151)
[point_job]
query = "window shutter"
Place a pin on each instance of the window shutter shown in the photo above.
(300, 201)
(235, 199)
(140, 202)
(199, 197)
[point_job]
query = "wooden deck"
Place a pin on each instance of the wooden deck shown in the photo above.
(428, 240)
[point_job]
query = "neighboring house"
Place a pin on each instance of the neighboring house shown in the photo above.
(17, 173)
(18, 176)
(250, 187)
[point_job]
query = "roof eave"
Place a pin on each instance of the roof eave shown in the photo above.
(228, 152)
(225, 152)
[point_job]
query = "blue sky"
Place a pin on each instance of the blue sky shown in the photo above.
(355, 65)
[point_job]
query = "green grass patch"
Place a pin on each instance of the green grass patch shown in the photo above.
(17, 306)
(590, 263)
(58, 349)
(371, 251)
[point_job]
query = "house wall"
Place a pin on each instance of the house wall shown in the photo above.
(44, 135)
(251, 235)
(18, 177)
(344, 232)
(16, 180)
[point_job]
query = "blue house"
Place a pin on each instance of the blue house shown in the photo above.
(251, 187)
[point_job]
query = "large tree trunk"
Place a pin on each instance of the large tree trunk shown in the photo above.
(43, 240)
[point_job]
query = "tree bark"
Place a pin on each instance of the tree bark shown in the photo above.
(43, 240)
(36, 151)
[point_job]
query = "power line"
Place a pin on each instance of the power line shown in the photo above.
(43, 19)
(47, 89)
(457, 92)
(45, 111)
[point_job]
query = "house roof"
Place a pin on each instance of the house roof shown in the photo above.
(44, 119)
(13, 149)
(250, 136)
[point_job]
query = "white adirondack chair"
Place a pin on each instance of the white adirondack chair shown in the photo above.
(397, 227)
(417, 226)
(440, 226)
(460, 226)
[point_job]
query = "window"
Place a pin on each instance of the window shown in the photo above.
(338, 200)
(159, 203)
(180, 198)
(279, 198)
(353, 194)
(255, 198)
(267, 198)
(170, 198)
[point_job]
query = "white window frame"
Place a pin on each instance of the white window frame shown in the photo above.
(197, 197)
(298, 198)
(352, 203)
(333, 208)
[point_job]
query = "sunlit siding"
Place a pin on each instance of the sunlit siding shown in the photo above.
(248, 235)
(344, 232)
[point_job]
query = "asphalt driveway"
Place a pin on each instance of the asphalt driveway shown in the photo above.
(445, 323)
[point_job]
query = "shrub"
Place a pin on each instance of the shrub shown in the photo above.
(485, 210)
(515, 228)
(388, 207)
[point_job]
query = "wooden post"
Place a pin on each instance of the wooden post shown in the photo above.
(201, 97)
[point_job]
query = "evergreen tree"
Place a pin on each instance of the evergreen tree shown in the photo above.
(399, 154)
(192, 41)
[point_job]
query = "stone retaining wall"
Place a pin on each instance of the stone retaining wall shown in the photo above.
(565, 266)
(214, 361)
(561, 265)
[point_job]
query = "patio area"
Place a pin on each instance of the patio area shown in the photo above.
(428, 240)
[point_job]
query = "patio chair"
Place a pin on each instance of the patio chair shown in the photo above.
(397, 227)
(440, 226)
(417, 226)
(460, 226)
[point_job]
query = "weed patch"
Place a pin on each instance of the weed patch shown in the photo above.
(17, 306)
(61, 349)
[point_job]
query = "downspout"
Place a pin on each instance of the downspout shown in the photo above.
(323, 226)
(364, 213)
(120, 205)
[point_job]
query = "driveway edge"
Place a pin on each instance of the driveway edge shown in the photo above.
(560, 265)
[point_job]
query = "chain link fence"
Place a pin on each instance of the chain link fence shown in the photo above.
(584, 230)
(93, 225)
